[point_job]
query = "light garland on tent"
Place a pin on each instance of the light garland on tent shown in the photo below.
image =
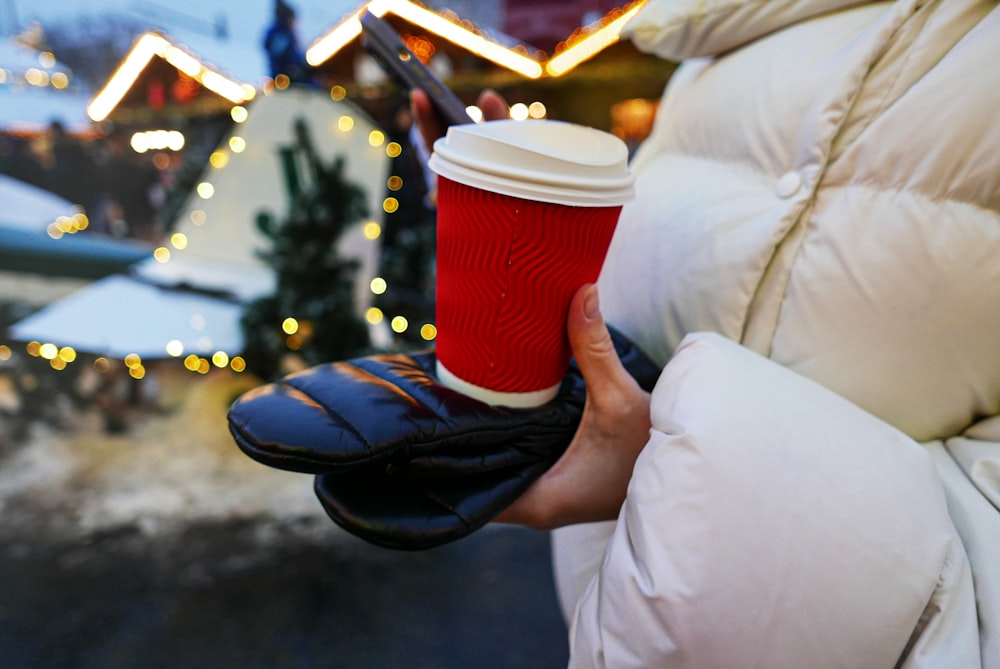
(329, 44)
(149, 46)
(584, 44)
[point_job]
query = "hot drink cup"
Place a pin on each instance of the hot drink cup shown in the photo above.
(526, 211)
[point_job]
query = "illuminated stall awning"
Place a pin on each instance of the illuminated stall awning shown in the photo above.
(171, 76)
(587, 41)
(515, 58)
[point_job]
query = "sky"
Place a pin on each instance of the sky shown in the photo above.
(246, 19)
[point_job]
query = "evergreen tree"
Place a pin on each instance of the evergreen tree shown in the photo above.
(314, 285)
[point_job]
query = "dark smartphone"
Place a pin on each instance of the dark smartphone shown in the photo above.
(385, 46)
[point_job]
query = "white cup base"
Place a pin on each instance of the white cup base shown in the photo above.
(526, 400)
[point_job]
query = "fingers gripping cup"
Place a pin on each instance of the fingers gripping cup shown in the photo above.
(526, 211)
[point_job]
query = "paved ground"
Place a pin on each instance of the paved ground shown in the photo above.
(166, 547)
(217, 596)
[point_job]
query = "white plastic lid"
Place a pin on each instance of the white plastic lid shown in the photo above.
(545, 161)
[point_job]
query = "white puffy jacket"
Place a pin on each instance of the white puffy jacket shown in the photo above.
(815, 249)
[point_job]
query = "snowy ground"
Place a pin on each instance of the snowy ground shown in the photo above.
(170, 469)
(167, 547)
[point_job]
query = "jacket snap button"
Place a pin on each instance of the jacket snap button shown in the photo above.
(788, 185)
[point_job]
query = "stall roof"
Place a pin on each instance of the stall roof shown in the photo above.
(36, 89)
(210, 265)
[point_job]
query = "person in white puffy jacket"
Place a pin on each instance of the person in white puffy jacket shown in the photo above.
(814, 257)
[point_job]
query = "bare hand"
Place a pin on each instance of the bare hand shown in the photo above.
(588, 483)
(431, 126)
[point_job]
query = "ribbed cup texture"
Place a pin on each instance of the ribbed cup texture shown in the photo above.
(507, 270)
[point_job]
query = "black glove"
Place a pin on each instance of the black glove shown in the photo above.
(401, 460)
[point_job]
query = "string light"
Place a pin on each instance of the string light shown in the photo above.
(399, 324)
(147, 47)
(372, 230)
(593, 43)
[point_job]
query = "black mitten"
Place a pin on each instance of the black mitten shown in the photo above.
(401, 460)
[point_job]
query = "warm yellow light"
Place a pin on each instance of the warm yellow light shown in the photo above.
(57, 364)
(237, 144)
(147, 46)
(374, 315)
(205, 190)
(378, 285)
(239, 114)
(219, 159)
(175, 348)
(5, 352)
(428, 332)
(338, 92)
(537, 110)
(67, 354)
(60, 80)
(192, 362)
(455, 33)
(399, 324)
(390, 205)
(334, 40)
(53, 230)
(198, 217)
(48, 351)
(162, 254)
(475, 113)
(203, 366)
(220, 359)
(137, 372)
(519, 111)
(372, 230)
(281, 82)
(393, 149)
(81, 221)
(345, 123)
(376, 138)
(36, 77)
(590, 45)
(33, 347)
(47, 59)
(290, 326)
(238, 364)
(227, 88)
(179, 240)
(183, 61)
(133, 360)
(394, 183)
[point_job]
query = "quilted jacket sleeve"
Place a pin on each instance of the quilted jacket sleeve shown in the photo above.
(770, 523)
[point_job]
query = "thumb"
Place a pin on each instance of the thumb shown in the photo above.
(591, 344)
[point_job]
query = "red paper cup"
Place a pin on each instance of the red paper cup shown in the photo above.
(520, 228)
